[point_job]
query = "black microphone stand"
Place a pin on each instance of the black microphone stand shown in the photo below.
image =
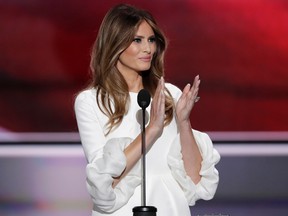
(144, 210)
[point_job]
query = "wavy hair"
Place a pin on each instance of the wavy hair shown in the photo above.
(115, 34)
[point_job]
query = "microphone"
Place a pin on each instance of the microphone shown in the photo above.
(143, 99)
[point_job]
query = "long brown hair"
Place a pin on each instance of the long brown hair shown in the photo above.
(116, 33)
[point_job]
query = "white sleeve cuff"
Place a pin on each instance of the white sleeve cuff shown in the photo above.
(100, 175)
(207, 186)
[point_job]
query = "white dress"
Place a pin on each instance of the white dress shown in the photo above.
(168, 188)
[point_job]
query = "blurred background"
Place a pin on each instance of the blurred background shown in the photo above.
(238, 47)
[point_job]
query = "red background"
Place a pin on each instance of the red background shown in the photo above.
(239, 48)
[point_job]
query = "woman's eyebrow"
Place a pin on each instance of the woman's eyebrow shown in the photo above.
(141, 36)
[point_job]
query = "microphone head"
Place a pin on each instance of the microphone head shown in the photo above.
(143, 98)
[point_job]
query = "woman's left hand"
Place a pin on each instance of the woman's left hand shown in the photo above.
(187, 100)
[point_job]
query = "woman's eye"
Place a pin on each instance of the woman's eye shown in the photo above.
(152, 39)
(137, 40)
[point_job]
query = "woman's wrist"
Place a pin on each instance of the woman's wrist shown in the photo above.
(153, 133)
(184, 125)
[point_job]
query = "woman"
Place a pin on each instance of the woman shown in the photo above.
(128, 56)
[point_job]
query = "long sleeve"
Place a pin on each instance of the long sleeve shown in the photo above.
(207, 186)
(100, 175)
(106, 158)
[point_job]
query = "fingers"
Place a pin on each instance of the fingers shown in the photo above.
(192, 92)
(196, 89)
(158, 102)
(160, 86)
(157, 112)
(196, 84)
(187, 88)
(160, 97)
(187, 100)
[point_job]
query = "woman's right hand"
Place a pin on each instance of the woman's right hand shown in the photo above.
(157, 112)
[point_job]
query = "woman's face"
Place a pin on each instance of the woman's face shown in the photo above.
(138, 56)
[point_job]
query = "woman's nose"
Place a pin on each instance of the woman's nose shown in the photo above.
(147, 47)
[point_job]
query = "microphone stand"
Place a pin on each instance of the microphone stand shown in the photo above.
(144, 210)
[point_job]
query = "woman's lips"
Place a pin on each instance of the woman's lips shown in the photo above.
(145, 58)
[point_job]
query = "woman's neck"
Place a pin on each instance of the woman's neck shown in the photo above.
(134, 82)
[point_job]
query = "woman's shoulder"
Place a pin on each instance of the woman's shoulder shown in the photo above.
(86, 93)
(86, 96)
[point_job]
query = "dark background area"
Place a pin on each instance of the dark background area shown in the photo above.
(239, 49)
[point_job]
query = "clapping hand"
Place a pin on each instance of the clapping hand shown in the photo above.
(157, 113)
(187, 101)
